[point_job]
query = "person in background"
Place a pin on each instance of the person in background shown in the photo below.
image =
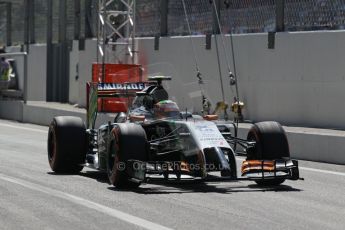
(4, 69)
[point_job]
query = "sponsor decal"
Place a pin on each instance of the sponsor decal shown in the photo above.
(209, 135)
(121, 86)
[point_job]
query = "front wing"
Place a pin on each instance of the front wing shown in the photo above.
(255, 170)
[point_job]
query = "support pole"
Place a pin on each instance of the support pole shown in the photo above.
(31, 8)
(25, 78)
(62, 87)
(62, 21)
(77, 19)
(164, 17)
(9, 24)
(49, 86)
(280, 8)
(26, 24)
(215, 26)
(88, 29)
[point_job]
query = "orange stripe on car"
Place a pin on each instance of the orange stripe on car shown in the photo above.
(257, 165)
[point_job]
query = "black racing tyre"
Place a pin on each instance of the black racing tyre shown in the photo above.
(271, 144)
(128, 141)
(232, 163)
(66, 144)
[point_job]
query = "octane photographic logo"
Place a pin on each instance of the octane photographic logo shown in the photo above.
(121, 166)
(169, 166)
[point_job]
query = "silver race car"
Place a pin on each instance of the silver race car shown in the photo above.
(153, 140)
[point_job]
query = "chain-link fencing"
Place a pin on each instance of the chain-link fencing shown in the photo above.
(41, 8)
(148, 17)
(314, 15)
(18, 18)
(236, 16)
(244, 16)
(3, 31)
(199, 15)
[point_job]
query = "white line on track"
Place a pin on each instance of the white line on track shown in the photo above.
(323, 171)
(23, 128)
(86, 203)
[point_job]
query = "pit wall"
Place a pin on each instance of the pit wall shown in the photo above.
(300, 82)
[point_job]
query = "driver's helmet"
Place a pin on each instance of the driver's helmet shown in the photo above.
(166, 109)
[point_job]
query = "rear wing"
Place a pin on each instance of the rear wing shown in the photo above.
(114, 91)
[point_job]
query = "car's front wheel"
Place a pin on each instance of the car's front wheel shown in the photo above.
(127, 142)
(271, 144)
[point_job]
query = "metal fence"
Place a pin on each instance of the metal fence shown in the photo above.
(166, 17)
(3, 32)
(199, 14)
(40, 9)
(18, 18)
(148, 16)
(241, 16)
(314, 15)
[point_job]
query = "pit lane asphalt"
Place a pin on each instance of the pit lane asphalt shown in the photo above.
(32, 197)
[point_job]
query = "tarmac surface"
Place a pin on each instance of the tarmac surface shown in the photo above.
(33, 197)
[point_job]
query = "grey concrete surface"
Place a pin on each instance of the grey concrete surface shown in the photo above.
(42, 113)
(12, 110)
(26, 180)
(37, 71)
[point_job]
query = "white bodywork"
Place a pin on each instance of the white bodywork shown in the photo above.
(206, 134)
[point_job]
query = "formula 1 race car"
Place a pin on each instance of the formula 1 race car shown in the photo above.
(151, 139)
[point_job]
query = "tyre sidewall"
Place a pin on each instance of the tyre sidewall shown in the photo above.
(66, 144)
(125, 149)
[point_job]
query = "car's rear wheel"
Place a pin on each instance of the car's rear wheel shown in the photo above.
(271, 144)
(66, 144)
(127, 142)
